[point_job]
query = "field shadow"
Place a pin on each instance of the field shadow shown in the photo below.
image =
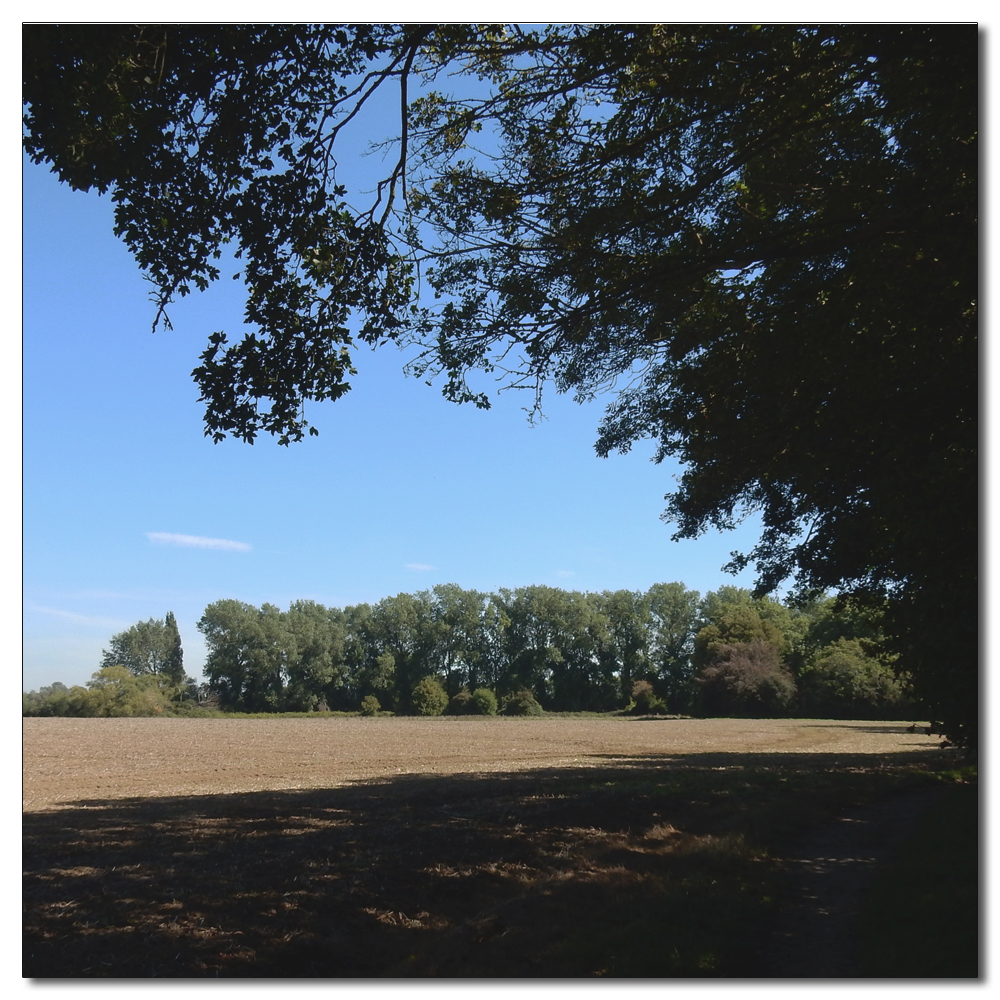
(902, 729)
(652, 865)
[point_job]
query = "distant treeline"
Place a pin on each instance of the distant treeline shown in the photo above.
(518, 651)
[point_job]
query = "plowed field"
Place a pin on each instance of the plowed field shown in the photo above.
(354, 847)
(68, 760)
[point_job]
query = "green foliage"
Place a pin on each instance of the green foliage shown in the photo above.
(624, 635)
(370, 705)
(174, 666)
(737, 625)
(483, 702)
(574, 651)
(248, 654)
(149, 647)
(150, 651)
(316, 672)
(563, 651)
(462, 649)
(191, 709)
(141, 674)
(842, 682)
(126, 105)
(56, 699)
(558, 643)
(833, 618)
(401, 631)
(115, 691)
(429, 698)
(673, 613)
(521, 703)
(112, 691)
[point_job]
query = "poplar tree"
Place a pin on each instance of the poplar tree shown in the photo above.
(174, 666)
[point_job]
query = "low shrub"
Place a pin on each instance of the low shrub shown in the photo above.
(483, 702)
(429, 698)
(370, 705)
(461, 704)
(522, 703)
(645, 700)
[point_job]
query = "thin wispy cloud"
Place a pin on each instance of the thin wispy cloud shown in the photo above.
(196, 542)
(565, 572)
(420, 567)
(72, 616)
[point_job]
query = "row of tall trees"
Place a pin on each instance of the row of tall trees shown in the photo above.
(528, 648)
(726, 653)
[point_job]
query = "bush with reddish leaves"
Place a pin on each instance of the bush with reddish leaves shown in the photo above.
(745, 680)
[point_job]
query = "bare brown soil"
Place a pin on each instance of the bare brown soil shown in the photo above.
(69, 760)
(435, 847)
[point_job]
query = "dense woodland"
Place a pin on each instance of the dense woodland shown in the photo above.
(517, 651)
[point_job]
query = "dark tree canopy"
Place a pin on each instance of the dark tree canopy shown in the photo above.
(763, 239)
